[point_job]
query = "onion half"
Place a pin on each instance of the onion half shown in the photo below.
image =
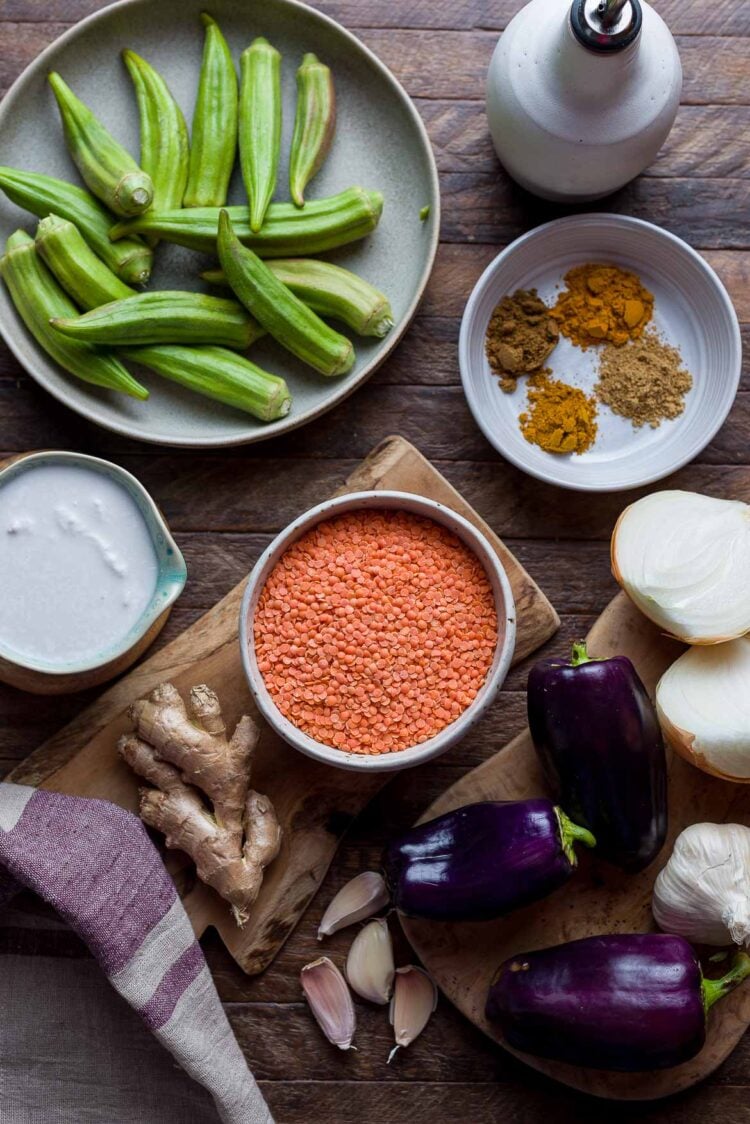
(703, 704)
(684, 560)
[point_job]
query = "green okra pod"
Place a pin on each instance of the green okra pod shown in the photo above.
(260, 126)
(130, 258)
(330, 291)
(164, 136)
(222, 375)
(38, 297)
(164, 317)
(314, 125)
(324, 224)
(107, 169)
(213, 145)
(75, 265)
(295, 326)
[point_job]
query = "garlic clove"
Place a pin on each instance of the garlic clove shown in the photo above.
(369, 966)
(414, 999)
(330, 1001)
(358, 900)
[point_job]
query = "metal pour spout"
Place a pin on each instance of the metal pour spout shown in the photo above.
(606, 26)
(609, 11)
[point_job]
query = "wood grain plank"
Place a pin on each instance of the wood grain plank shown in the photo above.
(260, 495)
(709, 213)
(714, 66)
(686, 17)
(458, 1102)
(435, 419)
(707, 141)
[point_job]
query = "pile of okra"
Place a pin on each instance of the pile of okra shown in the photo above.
(73, 283)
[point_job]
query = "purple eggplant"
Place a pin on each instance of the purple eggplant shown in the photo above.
(483, 860)
(597, 736)
(620, 1002)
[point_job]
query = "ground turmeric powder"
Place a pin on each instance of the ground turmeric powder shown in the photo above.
(561, 418)
(602, 304)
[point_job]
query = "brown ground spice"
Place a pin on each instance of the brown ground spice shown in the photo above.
(561, 418)
(602, 304)
(520, 336)
(645, 381)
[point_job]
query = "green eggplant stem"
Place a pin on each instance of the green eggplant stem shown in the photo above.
(714, 990)
(572, 833)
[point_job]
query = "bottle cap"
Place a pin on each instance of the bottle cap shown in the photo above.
(606, 25)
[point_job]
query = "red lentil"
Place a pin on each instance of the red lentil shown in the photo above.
(375, 631)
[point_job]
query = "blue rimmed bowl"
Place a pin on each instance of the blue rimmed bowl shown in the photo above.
(46, 678)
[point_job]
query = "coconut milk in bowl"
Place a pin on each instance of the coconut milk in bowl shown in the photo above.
(88, 570)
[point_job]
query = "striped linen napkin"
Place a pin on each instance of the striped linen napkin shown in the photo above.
(95, 865)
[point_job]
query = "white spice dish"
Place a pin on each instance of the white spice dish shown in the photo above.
(692, 311)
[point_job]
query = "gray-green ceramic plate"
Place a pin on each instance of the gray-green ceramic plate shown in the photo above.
(380, 143)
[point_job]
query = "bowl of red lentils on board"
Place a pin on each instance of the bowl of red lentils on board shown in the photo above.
(376, 630)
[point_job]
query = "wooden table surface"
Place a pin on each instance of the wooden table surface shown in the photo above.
(225, 507)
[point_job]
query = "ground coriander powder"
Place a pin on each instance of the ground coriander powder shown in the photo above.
(520, 336)
(645, 381)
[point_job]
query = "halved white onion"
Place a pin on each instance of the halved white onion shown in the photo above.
(703, 703)
(684, 559)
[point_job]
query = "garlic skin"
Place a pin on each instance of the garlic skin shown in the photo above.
(369, 966)
(330, 1001)
(703, 893)
(703, 705)
(414, 999)
(684, 560)
(358, 900)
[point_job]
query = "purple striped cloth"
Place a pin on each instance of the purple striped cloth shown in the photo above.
(95, 865)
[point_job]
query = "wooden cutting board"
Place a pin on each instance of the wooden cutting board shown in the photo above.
(598, 899)
(315, 803)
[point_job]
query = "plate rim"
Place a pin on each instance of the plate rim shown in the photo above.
(290, 422)
(468, 328)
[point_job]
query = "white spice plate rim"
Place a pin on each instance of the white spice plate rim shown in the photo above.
(692, 311)
(455, 731)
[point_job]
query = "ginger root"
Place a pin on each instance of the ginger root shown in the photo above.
(184, 752)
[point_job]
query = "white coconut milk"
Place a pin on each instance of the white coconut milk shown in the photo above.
(77, 564)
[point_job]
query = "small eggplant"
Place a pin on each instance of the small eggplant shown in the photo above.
(597, 736)
(483, 860)
(619, 1002)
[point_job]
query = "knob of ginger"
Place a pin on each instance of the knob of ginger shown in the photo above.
(184, 753)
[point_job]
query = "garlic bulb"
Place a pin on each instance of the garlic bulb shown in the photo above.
(684, 559)
(703, 703)
(703, 893)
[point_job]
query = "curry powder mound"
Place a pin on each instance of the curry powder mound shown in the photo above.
(520, 336)
(560, 418)
(602, 304)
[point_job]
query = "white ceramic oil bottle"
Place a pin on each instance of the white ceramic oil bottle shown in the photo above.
(580, 99)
